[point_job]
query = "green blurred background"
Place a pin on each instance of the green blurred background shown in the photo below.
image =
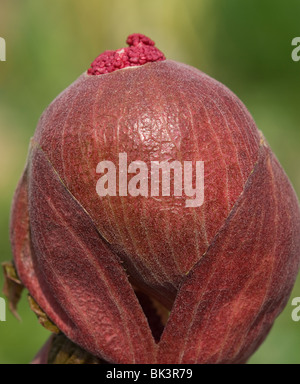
(244, 44)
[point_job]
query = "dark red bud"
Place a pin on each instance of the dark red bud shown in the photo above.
(106, 270)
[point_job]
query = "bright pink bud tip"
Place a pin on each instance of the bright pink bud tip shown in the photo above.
(141, 51)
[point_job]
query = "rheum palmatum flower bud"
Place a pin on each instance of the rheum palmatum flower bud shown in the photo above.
(224, 265)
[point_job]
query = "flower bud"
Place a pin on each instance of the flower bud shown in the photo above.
(92, 233)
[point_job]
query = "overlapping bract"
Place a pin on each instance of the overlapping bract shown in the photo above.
(225, 269)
